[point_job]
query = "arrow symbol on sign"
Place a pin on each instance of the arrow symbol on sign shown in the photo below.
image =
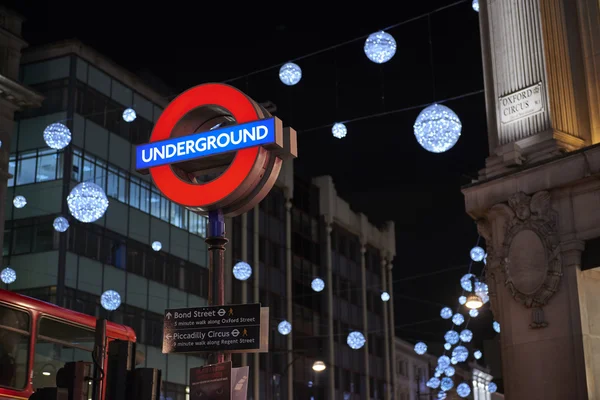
(221, 312)
(169, 315)
(235, 333)
(169, 336)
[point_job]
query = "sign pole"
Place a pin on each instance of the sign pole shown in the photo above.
(216, 242)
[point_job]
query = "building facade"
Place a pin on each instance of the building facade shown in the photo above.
(300, 231)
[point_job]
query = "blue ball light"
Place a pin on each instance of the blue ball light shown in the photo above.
(317, 285)
(87, 202)
(60, 224)
(356, 340)
(446, 313)
(380, 47)
(110, 300)
(8, 275)
(420, 348)
(463, 390)
(451, 337)
(458, 319)
(290, 74)
(339, 130)
(475, 5)
(284, 327)
(129, 115)
(477, 254)
(242, 271)
(57, 136)
(446, 384)
(437, 128)
(492, 387)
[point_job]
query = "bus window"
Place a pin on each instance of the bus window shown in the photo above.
(58, 343)
(14, 347)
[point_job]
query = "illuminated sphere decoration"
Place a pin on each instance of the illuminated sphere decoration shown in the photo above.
(441, 395)
(482, 290)
(19, 201)
(8, 275)
(446, 313)
(317, 285)
(433, 383)
(454, 360)
(446, 384)
(466, 335)
(437, 128)
(447, 346)
(380, 47)
(242, 271)
(460, 353)
(420, 348)
(339, 130)
(477, 354)
(463, 390)
(485, 259)
(458, 319)
(385, 296)
(443, 362)
(477, 254)
(110, 300)
(156, 245)
(492, 387)
(465, 282)
(452, 337)
(129, 115)
(60, 224)
(473, 312)
(284, 327)
(57, 136)
(462, 300)
(450, 371)
(496, 326)
(475, 5)
(290, 74)
(356, 340)
(87, 202)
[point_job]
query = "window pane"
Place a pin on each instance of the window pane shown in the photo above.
(26, 170)
(100, 175)
(88, 170)
(46, 168)
(58, 331)
(50, 357)
(145, 197)
(76, 174)
(123, 187)
(164, 209)
(14, 345)
(134, 195)
(22, 240)
(11, 170)
(112, 188)
(155, 204)
(176, 215)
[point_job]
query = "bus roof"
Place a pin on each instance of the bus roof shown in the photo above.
(113, 330)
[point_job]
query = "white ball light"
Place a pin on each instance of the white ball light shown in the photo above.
(475, 5)
(57, 136)
(290, 74)
(473, 312)
(482, 290)
(447, 346)
(129, 115)
(463, 390)
(87, 202)
(420, 348)
(339, 130)
(60, 224)
(447, 384)
(441, 395)
(284, 327)
(496, 326)
(443, 362)
(156, 245)
(451, 337)
(492, 387)
(477, 254)
(450, 371)
(437, 128)
(446, 313)
(8, 275)
(110, 300)
(458, 319)
(466, 335)
(465, 282)
(462, 300)
(242, 271)
(460, 353)
(433, 383)
(19, 201)
(356, 340)
(477, 354)
(380, 47)
(385, 296)
(317, 285)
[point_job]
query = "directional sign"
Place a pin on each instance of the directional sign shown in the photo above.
(216, 328)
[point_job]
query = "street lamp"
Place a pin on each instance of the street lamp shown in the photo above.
(319, 366)
(473, 302)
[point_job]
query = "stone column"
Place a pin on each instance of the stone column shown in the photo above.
(386, 335)
(288, 296)
(329, 289)
(363, 269)
(244, 251)
(392, 327)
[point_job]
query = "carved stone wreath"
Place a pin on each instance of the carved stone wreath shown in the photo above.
(531, 257)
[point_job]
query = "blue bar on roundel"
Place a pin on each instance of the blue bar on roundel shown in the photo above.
(204, 144)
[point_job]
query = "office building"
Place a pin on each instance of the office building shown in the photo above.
(300, 231)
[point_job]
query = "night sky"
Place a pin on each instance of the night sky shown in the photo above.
(379, 167)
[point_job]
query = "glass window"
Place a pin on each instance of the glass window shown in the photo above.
(88, 169)
(76, 174)
(123, 187)
(144, 196)
(100, 174)
(26, 168)
(134, 193)
(155, 203)
(164, 209)
(14, 347)
(58, 343)
(112, 188)
(11, 170)
(46, 167)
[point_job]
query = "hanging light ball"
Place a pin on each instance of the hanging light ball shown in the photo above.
(310, 384)
(482, 291)
(385, 296)
(458, 319)
(477, 254)
(57, 136)
(454, 361)
(492, 387)
(156, 245)
(356, 340)
(19, 201)
(475, 5)
(443, 362)
(60, 224)
(473, 312)
(496, 326)
(446, 384)
(290, 74)
(465, 282)
(446, 313)
(450, 371)
(451, 337)
(87, 202)
(485, 259)
(462, 300)
(420, 348)
(433, 383)
(460, 353)
(129, 115)
(447, 346)
(441, 395)
(463, 390)
(317, 285)
(380, 47)
(437, 128)
(110, 300)
(8, 275)
(284, 327)
(339, 130)
(466, 335)
(242, 271)
(437, 373)
(477, 354)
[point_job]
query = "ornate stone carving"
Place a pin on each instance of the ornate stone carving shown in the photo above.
(531, 255)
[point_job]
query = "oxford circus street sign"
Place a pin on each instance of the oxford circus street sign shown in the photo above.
(214, 148)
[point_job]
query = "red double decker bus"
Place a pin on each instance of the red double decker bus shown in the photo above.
(38, 338)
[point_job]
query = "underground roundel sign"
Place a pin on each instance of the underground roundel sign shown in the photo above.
(214, 148)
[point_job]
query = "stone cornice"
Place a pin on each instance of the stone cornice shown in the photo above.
(19, 95)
